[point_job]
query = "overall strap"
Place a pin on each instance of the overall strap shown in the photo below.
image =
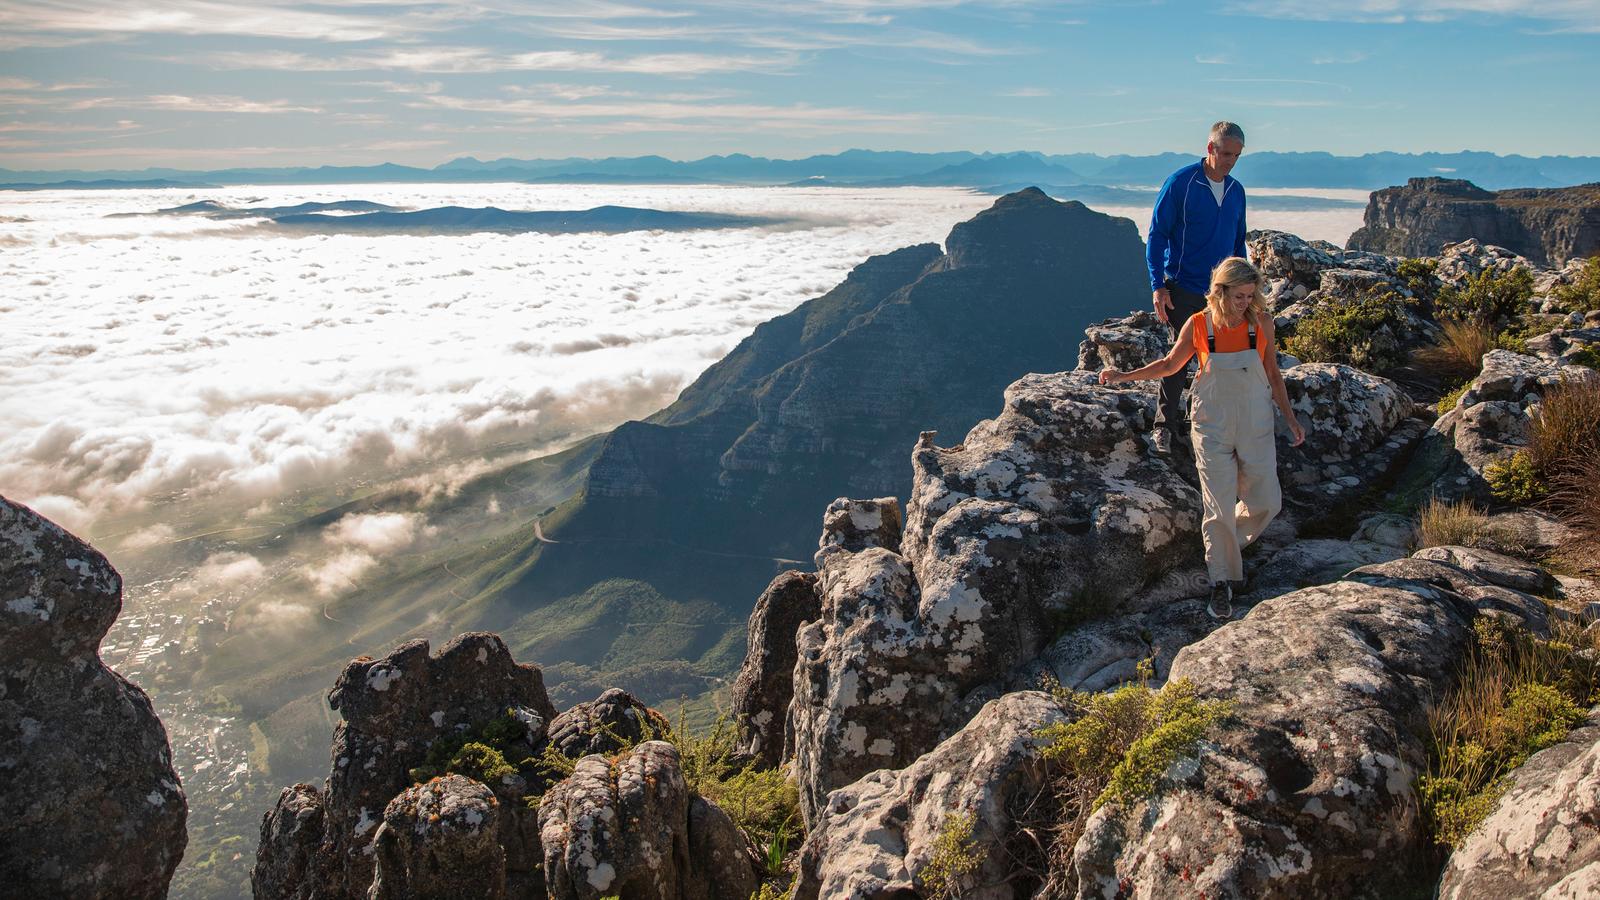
(1211, 335)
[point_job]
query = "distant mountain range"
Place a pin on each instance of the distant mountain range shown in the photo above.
(380, 218)
(880, 168)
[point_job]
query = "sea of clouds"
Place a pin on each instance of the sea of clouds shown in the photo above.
(152, 358)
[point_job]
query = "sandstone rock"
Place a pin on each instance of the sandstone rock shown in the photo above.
(1306, 790)
(1048, 511)
(1353, 424)
(1104, 655)
(437, 842)
(1562, 345)
(394, 709)
(1388, 529)
(293, 829)
(1419, 219)
(1541, 839)
(606, 724)
(875, 837)
(1495, 568)
(855, 525)
(1281, 255)
(1126, 343)
(1490, 422)
(92, 806)
(1312, 562)
(634, 829)
(765, 684)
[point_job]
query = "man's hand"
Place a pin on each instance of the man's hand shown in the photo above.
(1112, 376)
(1298, 433)
(1162, 299)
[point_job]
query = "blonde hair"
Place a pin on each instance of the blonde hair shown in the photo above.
(1231, 273)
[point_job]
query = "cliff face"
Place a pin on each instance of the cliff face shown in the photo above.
(91, 806)
(819, 400)
(1549, 225)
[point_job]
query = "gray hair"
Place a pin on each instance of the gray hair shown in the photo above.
(1226, 131)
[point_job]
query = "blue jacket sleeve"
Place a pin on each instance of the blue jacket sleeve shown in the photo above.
(1238, 242)
(1163, 222)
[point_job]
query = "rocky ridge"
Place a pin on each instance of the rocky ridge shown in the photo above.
(1548, 225)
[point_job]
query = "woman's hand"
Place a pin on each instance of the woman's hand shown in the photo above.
(1112, 376)
(1298, 432)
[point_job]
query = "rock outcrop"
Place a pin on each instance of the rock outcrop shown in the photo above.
(1489, 423)
(1046, 518)
(1306, 789)
(438, 842)
(606, 724)
(765, 684)
(1543, 838)
(634, 829)
(1549, 225)
(876, 837)
(394, 709)
(92, 806)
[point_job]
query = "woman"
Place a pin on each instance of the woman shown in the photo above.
(1231, 418)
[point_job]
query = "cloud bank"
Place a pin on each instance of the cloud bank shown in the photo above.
(162, 360)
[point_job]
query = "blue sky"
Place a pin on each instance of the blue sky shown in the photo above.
(206, 84)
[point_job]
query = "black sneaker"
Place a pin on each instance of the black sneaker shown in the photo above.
(1220, 606)
(1161, 441)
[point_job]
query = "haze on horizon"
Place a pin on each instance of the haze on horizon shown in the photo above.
(194, 84)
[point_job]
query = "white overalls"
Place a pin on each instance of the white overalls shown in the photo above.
(1235, 452)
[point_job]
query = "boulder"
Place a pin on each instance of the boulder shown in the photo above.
(92, 806)
(605, 725)
(765, 684)
(394, 709)
(1279, 254)
(874, 838)
(1126, 343)
(438, 842)
(1490, 422)
(1307, 789)
(1353, 423)
(1494, 568)
(1541, 840)
(634, 829)
(293, 829)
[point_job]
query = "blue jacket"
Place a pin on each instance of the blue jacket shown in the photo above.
(1190, 233)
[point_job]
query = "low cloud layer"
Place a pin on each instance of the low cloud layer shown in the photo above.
(151, 358)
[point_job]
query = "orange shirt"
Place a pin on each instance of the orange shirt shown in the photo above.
(1229, 340)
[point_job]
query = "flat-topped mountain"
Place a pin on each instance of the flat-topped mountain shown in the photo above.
(469, 220)
(1549, 225)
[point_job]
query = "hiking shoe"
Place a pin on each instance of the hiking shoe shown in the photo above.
(1220, 606)
(1161, 441)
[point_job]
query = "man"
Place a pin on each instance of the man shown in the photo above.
(1198, 222)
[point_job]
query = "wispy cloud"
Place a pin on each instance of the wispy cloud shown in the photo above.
(213, 103)
(1027, 92)
(1212, 59)
(477, 60)
(1582, 16)
(1305, 81)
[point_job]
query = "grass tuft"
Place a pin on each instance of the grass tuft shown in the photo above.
(1459, 353)
(1516, 696)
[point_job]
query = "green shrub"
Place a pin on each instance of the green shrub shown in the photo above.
(480, 762)
(763, 802)
(1515, 481)
(1584, 293)
(1587, 355)
(954, 857)
(1452, 399)
(1419, 277)
(1117, 748)
(1362, 332)
(1516, 696)
(1489, 298)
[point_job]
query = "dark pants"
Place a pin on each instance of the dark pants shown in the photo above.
(1169, 412)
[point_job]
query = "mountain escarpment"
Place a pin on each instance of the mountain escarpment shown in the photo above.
(1547, 225)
